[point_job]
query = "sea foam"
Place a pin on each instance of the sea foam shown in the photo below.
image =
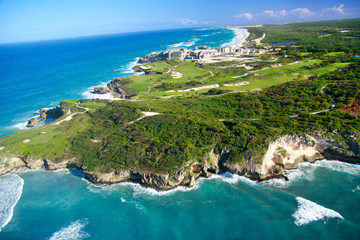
(11, 186)
(233, 178)
(309, 211)
(240, 36)
(339, 166)
(184, 44)
(72, 232)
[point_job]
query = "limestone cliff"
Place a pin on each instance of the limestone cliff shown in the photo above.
(286, 152)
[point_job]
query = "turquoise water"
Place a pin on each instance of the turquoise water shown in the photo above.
(321, 201)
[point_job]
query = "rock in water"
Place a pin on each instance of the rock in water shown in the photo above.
(33, 121)
(55, 113)
(101, 90)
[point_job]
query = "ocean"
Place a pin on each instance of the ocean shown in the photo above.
(320, 200)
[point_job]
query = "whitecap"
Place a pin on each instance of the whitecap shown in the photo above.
(136, 189)
(19, 126)
(11, 187)
(184, 44)
(128, 69)
(240, 36)
(233, 178)
(90, 95)
(356, 189)
(203, 29)
(339, 166)
(139, 190)
(72, 232)
(309, 211)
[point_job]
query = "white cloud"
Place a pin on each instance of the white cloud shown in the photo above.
(186, 21)
(335, 9)
(297, 13)
(270, 13)
(302, 12)
(282, 12)
(247, 16)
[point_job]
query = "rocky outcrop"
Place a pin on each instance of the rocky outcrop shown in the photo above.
(33, 121)
(116, 87)
(46, 113)
(145, 69)
(54, 113)
(9, 164)
(159, 56)
(101, 90)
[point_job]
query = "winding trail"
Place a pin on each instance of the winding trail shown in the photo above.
(70, 115)
(326, 110)
(211, 74)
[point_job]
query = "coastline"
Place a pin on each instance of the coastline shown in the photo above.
(241, 34)
(298, 148)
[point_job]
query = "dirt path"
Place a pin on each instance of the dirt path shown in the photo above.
(145, 114)
(70, 115)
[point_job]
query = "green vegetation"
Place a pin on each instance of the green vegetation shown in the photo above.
(316, 37)
(283, 89)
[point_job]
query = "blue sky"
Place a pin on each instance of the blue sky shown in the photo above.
(29, 20)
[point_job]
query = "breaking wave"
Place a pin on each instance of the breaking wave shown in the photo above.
(240, 36)
(309, 211)
(11, 187)
(72, 232)
(184, 44)
(339, 166)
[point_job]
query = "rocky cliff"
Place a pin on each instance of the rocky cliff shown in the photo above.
(288, 151)
(117, 88)
(283, 153)
(46, 113)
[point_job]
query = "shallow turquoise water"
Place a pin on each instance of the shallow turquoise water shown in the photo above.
(62, 204)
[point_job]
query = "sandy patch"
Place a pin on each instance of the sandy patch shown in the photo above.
(240, 76)
(176, 75)
(2, 148)
(26, 141)
(149, 114)
(43, 132)
(236, 84)
(166, 97)
(171, 91)
(199, 88)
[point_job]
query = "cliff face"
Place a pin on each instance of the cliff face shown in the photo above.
(288, 151)
(284, 153)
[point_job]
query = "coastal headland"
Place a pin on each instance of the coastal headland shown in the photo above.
(255, 110)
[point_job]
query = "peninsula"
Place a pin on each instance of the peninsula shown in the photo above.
(257, 110)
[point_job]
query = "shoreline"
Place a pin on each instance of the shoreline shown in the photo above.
(129, 70)
(299, 149)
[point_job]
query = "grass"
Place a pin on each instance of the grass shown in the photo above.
(334, 54)
(159, 66)
(258, 79)
(51, 141)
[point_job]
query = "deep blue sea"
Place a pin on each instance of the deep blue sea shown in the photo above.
(321, 200)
